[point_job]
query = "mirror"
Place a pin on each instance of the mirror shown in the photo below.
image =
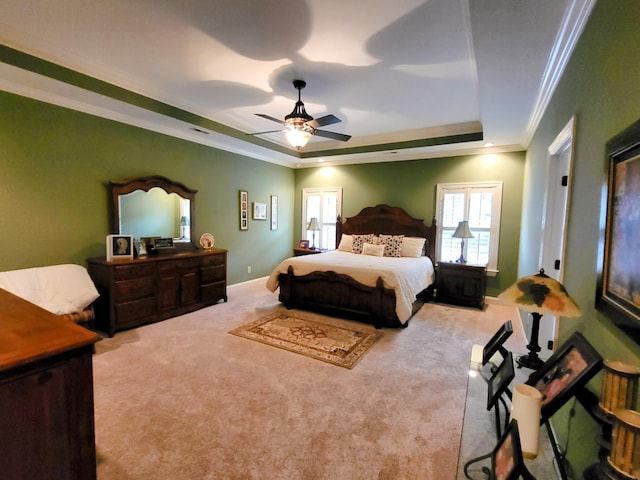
(154, 207)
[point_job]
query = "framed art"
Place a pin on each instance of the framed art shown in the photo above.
(500, 380)
(619, 278)
(495, 344)
(568, 369)
(259, 211)
(507, 461)
(119, 247)
(274, 212)
(303, 244)
(244, 210)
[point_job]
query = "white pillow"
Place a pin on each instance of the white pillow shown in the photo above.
(346, 243)
(412, 246)
(374, 250)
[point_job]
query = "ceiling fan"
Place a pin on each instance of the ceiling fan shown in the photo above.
(299, 126)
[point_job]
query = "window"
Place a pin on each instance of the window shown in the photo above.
(480, 204)
(325, 204)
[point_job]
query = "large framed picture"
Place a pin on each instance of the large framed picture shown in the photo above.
(119, 247)
(619, 279)
(568, 369)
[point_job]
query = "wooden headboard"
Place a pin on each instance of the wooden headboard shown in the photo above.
(387, 220)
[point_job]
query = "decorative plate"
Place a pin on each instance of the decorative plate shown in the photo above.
(207, 241)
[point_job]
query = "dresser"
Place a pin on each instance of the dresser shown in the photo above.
(145, 290)
(46, 394)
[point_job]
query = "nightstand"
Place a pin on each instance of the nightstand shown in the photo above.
(461, 284)
(299, 251)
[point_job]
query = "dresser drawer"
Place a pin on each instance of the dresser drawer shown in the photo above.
(213, 260)
(135, 311)
(174, 266)
(132, 289)
(127, 272)
(213, 291)
(212, 274)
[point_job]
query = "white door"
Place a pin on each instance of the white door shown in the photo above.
(554, 223)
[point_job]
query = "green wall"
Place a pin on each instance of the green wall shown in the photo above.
(55, 165)
(412, 186)
(601, 88)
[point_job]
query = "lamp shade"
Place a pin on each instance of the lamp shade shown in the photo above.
(462, 230)
(313, 225)
(541, 294)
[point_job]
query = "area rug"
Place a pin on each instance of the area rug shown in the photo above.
(333, 341)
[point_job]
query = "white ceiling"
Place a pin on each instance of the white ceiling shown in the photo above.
(393, 72)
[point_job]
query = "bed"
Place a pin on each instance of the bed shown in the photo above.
(385, 291)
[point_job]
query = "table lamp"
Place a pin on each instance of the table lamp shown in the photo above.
(313, 227)
(540, 295)
(462, 231)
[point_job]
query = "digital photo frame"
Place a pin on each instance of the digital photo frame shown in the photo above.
(500, 380)
(567, 370)
(507, 462)
(496, 344)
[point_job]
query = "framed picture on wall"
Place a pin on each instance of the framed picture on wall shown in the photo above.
(259, 211)
(619, 279)
(244, 210)
(274, 212)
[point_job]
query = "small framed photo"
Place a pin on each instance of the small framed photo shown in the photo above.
(244, 210)
(568, 369)
(497, 341)
(119, 247)
(500, 380)
(274, 212)
(140, 248)
(259, 211)
(303, 244)
(507, 461)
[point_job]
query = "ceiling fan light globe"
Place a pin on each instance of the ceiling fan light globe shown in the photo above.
(298, 138)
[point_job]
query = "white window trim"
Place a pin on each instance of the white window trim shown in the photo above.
(311, 191)
(442, 188)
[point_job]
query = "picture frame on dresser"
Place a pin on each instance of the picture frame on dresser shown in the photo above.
(119, 247)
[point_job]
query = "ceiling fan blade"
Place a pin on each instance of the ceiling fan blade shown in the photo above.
(268, 131)
(270, 118)
(333, 135)
(323, 121)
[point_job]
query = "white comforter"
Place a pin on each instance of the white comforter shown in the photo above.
(406, 276)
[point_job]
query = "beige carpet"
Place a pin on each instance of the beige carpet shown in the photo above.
(183, 399)
(330, 340)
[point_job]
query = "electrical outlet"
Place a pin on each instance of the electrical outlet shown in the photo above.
(249, 269)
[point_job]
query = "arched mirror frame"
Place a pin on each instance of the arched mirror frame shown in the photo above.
(124, 187)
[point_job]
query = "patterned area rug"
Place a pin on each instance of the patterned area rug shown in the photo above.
(332, 341)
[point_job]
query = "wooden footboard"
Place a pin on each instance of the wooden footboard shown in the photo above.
(337, 294)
